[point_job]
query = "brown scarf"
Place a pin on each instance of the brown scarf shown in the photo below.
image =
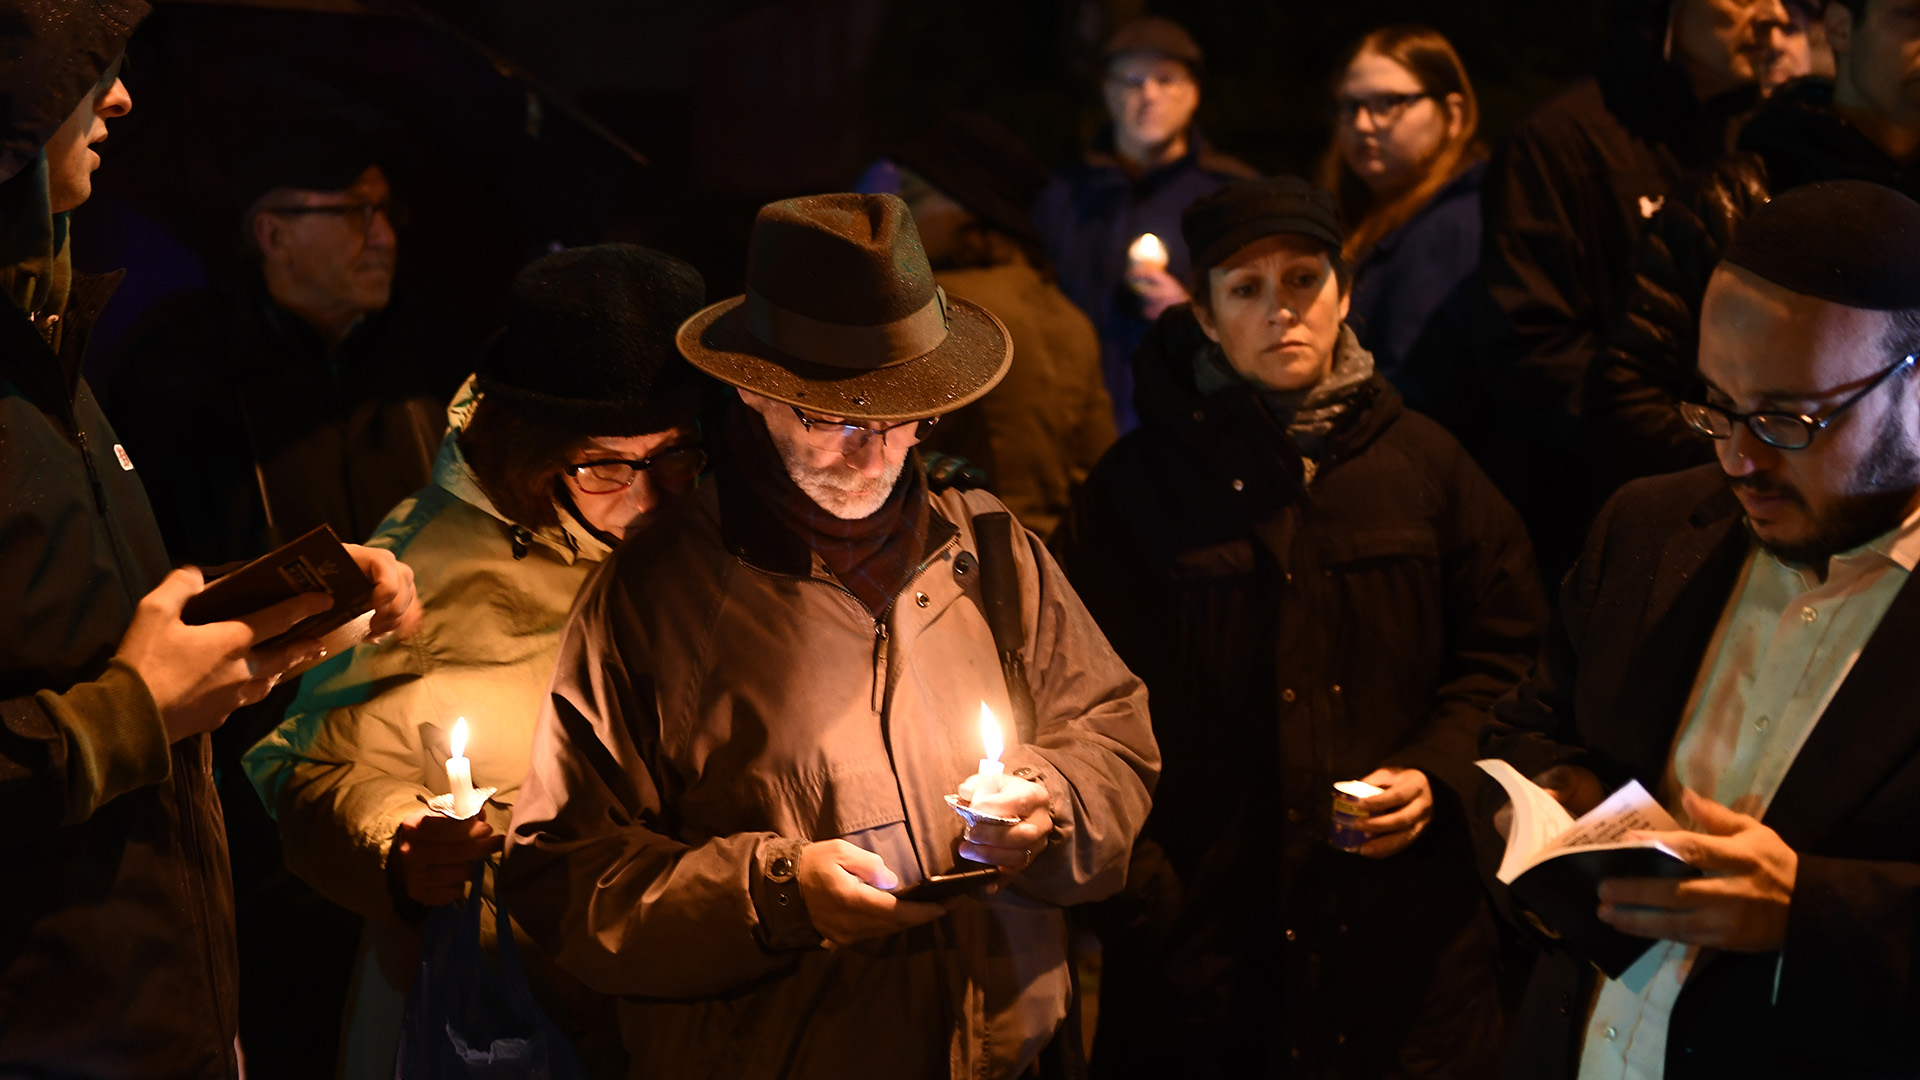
(873, 556)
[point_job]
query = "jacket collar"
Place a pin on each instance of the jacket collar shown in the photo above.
(570, 539)
(46, 378)
(1102, 155)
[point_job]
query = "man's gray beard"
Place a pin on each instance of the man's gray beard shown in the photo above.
(840, 490)
(1874, 505)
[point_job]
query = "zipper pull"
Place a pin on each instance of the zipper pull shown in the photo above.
(93, 474)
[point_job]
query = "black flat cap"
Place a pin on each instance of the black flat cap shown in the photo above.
(1848, 241)
(1218, 224)
(1161, 37)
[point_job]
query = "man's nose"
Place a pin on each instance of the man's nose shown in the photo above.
(380, 233)
(641, 494)
(870, 460)
(1743, 454)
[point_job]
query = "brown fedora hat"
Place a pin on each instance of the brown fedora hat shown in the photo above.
(841, 317)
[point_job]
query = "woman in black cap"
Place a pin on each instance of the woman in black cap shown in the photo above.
(1318, 586)
(580, 425)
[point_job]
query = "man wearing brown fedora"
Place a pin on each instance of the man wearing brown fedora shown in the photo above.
(765, 705)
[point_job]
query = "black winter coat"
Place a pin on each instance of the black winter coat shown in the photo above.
(1566, 197)
(1796, 138)
(1609, 693)
(1291, 637)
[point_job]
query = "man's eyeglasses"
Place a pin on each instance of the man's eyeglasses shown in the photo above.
(1386, 109)
(853, 438)
(358, 216)
(675, 467)
(1781, 430)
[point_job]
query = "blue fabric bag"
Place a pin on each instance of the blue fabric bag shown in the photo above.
(467, 1018)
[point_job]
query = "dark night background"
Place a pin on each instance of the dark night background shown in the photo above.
(491, 104)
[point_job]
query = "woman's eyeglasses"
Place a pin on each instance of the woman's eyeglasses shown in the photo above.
(852, 438)
(1386, 109)
(1780, 430)
(674, 467)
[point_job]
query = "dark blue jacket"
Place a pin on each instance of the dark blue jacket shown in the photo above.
(1413, 304)
(1089, 214)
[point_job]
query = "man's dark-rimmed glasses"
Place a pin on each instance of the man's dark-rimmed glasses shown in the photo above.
(676, 467)
(1780, 430)
(358, 215)
(852, 438)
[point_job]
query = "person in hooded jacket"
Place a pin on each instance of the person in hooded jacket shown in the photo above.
(1317, 585)
(1566, 198)
(117, 954)
(580, 426)
(1864, 124)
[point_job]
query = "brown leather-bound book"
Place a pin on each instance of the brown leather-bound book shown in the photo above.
(315, 562)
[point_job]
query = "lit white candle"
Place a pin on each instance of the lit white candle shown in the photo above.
(460, 773)
(990, 738)
(1147, 254)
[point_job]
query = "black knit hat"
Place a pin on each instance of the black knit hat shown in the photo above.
(1218, 224)
(1848, 241)
(981, 165)
(589, 341)
(1161, 37)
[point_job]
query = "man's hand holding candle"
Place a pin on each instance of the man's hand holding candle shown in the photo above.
(1147, 276)
(1013, 847)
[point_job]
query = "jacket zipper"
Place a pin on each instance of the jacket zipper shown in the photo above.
(202, 896)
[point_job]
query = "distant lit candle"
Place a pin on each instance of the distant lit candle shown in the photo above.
(990, 738)
(460, 773)
(1148, 254)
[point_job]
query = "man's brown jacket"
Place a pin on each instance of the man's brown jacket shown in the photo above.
(718, 701)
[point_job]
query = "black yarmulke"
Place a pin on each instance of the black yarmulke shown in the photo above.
(1218, 224)
(589, 341)
(1848, 241)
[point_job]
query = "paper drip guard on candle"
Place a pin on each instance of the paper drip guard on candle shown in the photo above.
(1347, 814)
(990, 765)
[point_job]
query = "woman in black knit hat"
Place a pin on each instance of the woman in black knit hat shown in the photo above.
(1318, 586)
(578, 427)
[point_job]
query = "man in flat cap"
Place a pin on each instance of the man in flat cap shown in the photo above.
(763, 703)
(1143, 168)
(1739, 638)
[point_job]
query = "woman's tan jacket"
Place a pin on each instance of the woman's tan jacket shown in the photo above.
(719, 701)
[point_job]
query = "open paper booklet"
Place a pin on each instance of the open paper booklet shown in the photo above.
(1554, 864)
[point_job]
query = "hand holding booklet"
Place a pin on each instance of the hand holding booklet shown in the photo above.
(1554, 864)
(314, 562)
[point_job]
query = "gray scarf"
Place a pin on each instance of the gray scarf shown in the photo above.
(1308, 414)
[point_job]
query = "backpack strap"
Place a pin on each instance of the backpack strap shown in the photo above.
(1000, 586)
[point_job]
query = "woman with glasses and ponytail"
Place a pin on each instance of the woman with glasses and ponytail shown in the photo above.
(1405, 164)
(579, 428)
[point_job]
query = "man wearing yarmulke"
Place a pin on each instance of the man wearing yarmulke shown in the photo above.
(1739, 638)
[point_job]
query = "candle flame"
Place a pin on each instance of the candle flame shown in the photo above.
(990, 733)
(1148, 248)
(459, 739)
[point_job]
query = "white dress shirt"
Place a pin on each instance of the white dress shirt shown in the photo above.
(1785, 643)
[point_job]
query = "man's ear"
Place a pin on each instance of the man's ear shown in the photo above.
(754, 401)
(1839, 20)
(266, 232)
